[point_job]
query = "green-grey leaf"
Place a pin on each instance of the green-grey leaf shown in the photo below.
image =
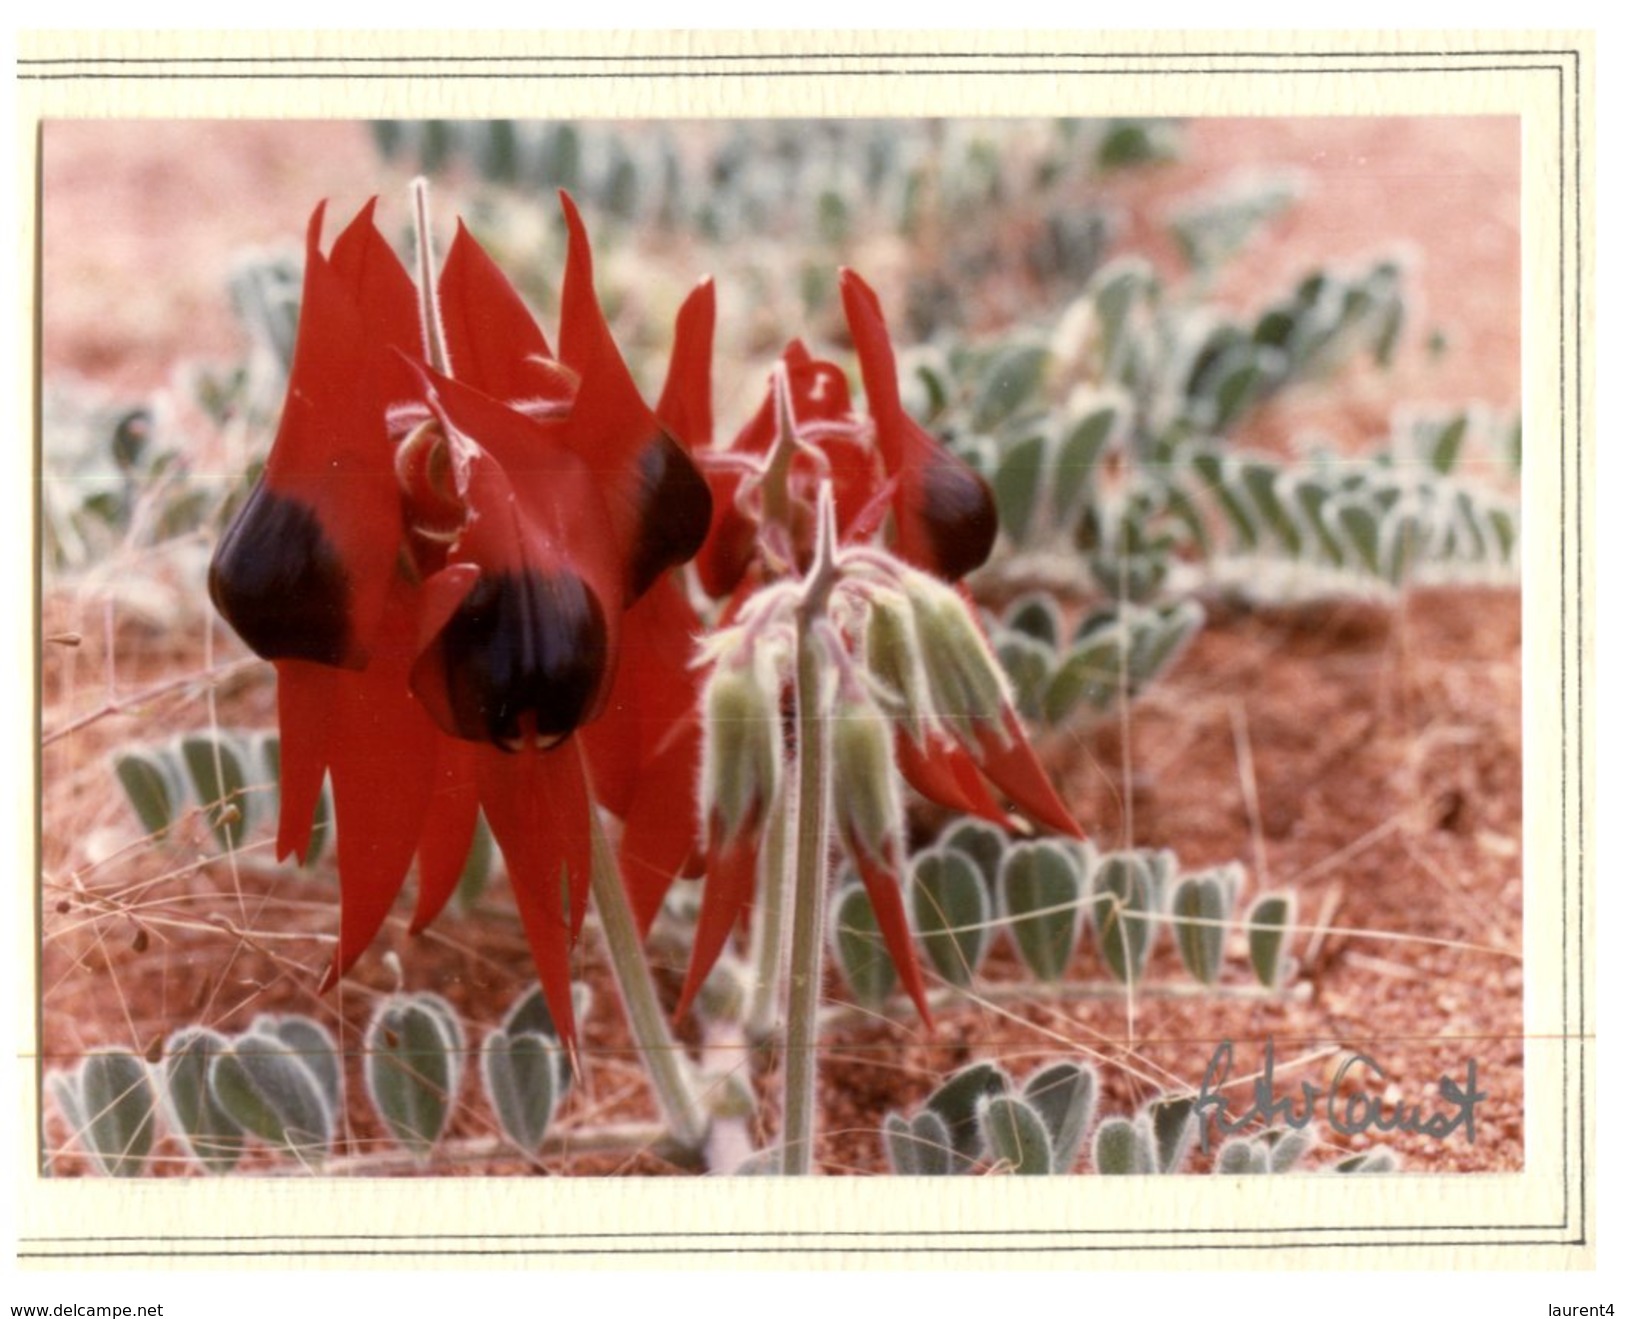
(1172, 1130)
(1091, 674)
(522, 1076)
(1379, 1160)
(1239, 1156)
(477, 867)
(119, 1109)
(1035, 616)
(1260, 479)
(1443, 443)
(219, 779)
(1077, 457)
(147, 783)
(860, 950)
(1312, 497)
(1123, 910)
(309, 1040)
(1504, 527)
(1064, 1094)
(1009, 382)
(1028, 664)
(918, 1148)
(958, 1099)
(1123, 1149)
(1040, 894)
(215, 1140)
(1266, 937)
(1016, 1136)
(1285, 1147)
(949, 903)
(271, 1092)
(1362, 532)
(982, 843)
(413, 1066)
(1159, 637)
(1200, 908)
(1018, 485)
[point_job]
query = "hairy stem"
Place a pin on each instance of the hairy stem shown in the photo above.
(807, 925)
(664, 1061)
(767, 952)
(434, 337)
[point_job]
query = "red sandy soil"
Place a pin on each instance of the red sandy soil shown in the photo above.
(1367, 758)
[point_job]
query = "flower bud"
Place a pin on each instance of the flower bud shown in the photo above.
(868, 802)
(743, 748)
(892, 651)
(968, 688)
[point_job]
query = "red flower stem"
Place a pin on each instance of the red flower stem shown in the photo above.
(686, 1119)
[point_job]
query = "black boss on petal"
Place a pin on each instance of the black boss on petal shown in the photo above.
(959, 516)
(523, 659)
(278, 580)
(674, 506)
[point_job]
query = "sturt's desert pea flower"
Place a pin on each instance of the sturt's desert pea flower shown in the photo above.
(439, 560)
(910, 518)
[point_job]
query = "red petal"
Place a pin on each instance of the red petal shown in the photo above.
(661, 835)
(730, 885)
(685, 403)
(448, 828)
(946, 519)
(730, 541)
(378, 284)
(654, 689)
(494, 343)
(659, 504)
(1011, 766)
(945, 774)
(380, 755)
(303, 699)
(536, 804)
(534, 640)
(885, 896)
(304, 570)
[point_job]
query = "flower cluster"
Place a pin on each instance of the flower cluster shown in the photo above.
(459, 559)
(453, 528)
(917, 686)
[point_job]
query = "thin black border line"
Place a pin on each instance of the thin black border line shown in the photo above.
(570, 76)
(689, 1251)
(803, 56)
(1566, 398)
(1562, 587)
(1579, 612)
(774, 1233)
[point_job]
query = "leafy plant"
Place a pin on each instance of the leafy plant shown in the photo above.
(280, 1082)
(413, 1065)
(109, 1102)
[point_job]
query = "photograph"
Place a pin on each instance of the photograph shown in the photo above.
(883, 646)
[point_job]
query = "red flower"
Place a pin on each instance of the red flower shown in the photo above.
(438, 560)
(894, 483)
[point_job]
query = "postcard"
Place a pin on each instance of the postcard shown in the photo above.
(657, 639)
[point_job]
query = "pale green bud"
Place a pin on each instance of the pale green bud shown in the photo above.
(743, 747)
(868, 800)
(892, 651)
(968, 688)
